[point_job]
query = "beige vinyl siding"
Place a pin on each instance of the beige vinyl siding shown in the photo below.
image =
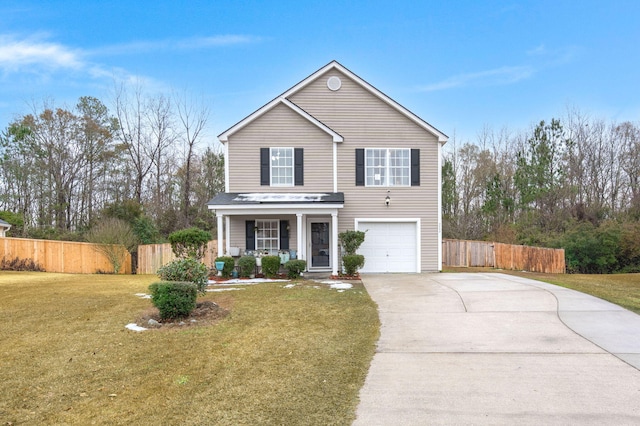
(238, 229)
(280, 127)
(365, 121)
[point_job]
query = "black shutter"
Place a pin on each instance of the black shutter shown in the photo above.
(250, 239)
(265, 179)
(359, 166)
(298, 171)
(284, 235)
(415, 167)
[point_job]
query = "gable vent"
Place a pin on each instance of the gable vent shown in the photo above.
(334, 83)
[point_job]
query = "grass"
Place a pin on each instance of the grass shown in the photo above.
(621, 289)
(283, 356)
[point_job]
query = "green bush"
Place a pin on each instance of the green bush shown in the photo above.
(191, 242)
(186, 270)
(247, 266)
(592, 250)
(174, 299)
(351, 241)
(295, 268)
(352, 262)
(270, 266)
(229, 264)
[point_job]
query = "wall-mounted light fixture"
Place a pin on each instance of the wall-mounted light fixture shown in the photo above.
(387, 200)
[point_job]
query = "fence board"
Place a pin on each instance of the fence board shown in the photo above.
(60, 256)
(462, 253)
(152, 256)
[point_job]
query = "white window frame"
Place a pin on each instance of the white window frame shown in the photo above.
(260, 227)
(387, 175)
(290, 178)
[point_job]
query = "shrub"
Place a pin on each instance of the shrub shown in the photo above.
(229, 264)
(186, 270)
(295, 268)
(114, 238)
(271, 266)
(191, 242)
(352, 262)
(591, 250)
(247, 266)
(174, 299)
(351, 241)
(18, 264)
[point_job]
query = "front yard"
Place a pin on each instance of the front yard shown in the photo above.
(283, 356)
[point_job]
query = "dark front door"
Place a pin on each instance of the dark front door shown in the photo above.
(320, 247)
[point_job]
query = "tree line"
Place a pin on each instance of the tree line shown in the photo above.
(572, 183)
(145, 160)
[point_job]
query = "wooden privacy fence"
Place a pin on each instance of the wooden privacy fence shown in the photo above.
(60, 256)
(503, 256)
(153, 256)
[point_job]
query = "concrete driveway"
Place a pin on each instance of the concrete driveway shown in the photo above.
(491, 348)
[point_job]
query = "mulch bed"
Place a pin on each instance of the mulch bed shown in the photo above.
(205, 313)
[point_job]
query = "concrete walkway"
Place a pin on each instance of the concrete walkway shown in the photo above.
(492, 348)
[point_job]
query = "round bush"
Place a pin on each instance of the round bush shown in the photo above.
(352, 262)
(270, 266)
(187, 270)
(229, 264)
(174, 299)
(247, 266)
(295, 268)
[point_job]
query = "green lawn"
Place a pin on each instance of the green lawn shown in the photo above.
(283, 356)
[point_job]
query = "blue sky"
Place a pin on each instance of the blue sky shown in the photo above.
(460, 65)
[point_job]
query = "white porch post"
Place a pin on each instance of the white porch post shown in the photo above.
(334, 243)
(299, 241)
(228, 234)
(220, 235)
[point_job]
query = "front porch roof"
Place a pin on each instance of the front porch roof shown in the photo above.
(243, 202)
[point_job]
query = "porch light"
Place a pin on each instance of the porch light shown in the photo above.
(387, 200)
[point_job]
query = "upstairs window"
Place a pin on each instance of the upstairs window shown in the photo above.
(387, 167)
(281, 166)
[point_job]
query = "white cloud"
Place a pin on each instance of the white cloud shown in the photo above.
(171, 44)
(494, 77)
(19, 55)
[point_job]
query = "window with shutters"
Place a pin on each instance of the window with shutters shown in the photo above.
(281, 166)
(267, 235)
(387, 167)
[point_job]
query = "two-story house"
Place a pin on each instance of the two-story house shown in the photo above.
(331, 154)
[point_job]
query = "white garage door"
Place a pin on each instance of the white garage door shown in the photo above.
(389, 246)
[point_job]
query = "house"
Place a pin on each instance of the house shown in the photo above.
(4, 227)
(331, 154)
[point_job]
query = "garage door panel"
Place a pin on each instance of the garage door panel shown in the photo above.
(389, 246)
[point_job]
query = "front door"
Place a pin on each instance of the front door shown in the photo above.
(320, 244)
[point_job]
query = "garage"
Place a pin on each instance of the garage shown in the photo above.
(390, 246)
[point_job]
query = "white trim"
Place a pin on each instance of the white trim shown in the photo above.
(439, 208)
(234, 209)
(322, 219)
(442, 138)
(335, 167)
(226, 167)
(223, 137)
(335, 136)
(416, 220)
(227, 234)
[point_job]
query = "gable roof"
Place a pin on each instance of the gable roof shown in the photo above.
(283, 99)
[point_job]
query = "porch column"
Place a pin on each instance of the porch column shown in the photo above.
(228, 234)
(334, 243)
(299, 236)
(220, 235)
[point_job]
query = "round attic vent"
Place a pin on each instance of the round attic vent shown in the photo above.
(334, 83)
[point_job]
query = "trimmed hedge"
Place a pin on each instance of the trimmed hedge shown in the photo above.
(229, 264)
(270, 266)
(352, 262)
(247, 266)
(174, 299)
(186, 270)
(295, 268)
(191, 242)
